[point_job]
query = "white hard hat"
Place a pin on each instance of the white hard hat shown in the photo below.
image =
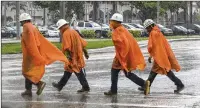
(117, 17)
(24, 16)
(148, 22)
(61, 22)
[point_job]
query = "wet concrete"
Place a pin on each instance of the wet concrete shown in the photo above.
(98, 75)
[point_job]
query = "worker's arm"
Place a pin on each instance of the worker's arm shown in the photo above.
(85, 53)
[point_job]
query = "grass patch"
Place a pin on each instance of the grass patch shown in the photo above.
(92, 44)
(99, 44)
(141, 38)
(10, 48)
(14, 48)
(175, 37)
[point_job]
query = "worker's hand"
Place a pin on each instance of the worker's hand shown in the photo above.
(70, 66)
(85, 53)
(149, 59)
(86, 56)
(68, 55)
(69, 58)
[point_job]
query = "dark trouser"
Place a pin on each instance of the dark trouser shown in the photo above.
(170, 75)
(80, 76)
(129, 75)
(28, 84)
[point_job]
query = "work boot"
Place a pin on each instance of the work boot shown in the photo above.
(147, 87)
(55, 85)
(40, 87)
(26, 93)
(83, 90)
(179, 89)
(110, 93)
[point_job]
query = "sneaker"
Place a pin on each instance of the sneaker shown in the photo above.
(40, 86)
(26, 93)
(110, 93)
(179, 89)
(55, 85)
(147, 87)
(83, 90)
(141, 88)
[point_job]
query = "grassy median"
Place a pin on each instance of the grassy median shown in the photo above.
(14, 48)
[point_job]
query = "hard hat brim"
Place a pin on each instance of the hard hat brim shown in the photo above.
(114, 20)
(25, 19)
(67, 23)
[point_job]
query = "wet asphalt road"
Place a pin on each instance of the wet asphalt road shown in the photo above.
(98, 76)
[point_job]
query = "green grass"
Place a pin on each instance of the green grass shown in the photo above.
(92, 44)
(176, 37)
(141, 38)
(14, 48)
(99, 44)
(10, 48)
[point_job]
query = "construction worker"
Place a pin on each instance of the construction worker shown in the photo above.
(37, 52)
(73, 46)
(164, 58)
(128, 55)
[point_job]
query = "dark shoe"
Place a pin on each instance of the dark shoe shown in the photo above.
(56, 86)
(110, 93)
(147, 87)
(40, 86)
(26, 93)
(83, 90)
(179, 89)
(141, 88)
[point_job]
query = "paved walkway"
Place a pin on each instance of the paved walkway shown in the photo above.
(98, 75)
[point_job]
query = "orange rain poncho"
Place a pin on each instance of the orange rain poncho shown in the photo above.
(160, 50)
(72, 42)
(37, 52)
(128, 54)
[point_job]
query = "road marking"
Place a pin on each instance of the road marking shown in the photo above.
(101, 104)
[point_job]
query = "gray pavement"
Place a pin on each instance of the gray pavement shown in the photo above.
(98, 76)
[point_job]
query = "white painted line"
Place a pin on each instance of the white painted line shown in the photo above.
(11, 69)
(101, 104)
(138, 95)
(12, 77)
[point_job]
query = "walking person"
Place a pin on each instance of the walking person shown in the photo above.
(164, 58)
(37, 52)
(128, 55)
(73, 46)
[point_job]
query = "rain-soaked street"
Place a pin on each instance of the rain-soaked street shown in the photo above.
(98, 76)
